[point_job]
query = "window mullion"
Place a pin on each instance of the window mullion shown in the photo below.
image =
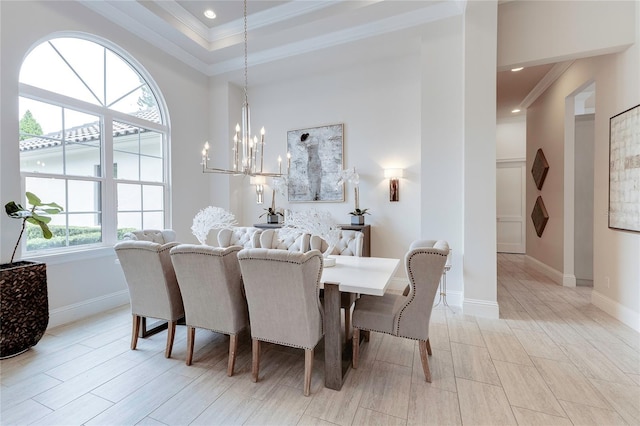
(109, 197)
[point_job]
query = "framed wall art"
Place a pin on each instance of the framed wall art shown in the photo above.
(315, 164)
(624, 170)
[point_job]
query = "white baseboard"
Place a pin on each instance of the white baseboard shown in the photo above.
(481, 308)
(555, 275)
(86, 308)
(616, 310)
(569, 280)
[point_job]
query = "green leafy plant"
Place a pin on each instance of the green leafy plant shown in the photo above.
(37, 214)
(359, 212)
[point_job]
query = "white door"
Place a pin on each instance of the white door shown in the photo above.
(510, 206)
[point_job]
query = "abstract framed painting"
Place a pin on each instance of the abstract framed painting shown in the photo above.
(315, 164)
(624, 170)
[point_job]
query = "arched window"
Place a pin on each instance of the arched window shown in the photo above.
(94, 139)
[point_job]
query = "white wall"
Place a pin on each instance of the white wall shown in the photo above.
(511, 138)
(91, 281)
(379, 106)
(442, 171)
(540, 32)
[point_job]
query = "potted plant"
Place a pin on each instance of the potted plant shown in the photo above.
(24, 307)
(272, 213)
(351, 176)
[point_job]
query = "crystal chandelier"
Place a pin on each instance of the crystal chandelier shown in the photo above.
(248, 152)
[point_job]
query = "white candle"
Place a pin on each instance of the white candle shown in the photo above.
(279, 164)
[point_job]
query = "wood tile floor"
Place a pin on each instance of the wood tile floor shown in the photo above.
(552, 358)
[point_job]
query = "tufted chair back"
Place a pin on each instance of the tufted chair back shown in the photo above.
(154, 235)
(349, 244)
(406, 315)
(243, 236)
(285, 239)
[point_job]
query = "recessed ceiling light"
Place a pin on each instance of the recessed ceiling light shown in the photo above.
(517, 69)
(210, 14)
(515, 110)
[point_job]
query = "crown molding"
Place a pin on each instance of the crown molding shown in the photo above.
(407, 20)
(554, 73)
(133, 25)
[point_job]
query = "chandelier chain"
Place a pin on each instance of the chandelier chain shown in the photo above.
(246, 80)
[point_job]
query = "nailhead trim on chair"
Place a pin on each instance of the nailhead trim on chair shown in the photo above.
(418, 251)
(317, 289)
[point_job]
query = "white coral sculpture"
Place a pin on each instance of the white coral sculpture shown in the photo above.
(314, 222)
(211, 218)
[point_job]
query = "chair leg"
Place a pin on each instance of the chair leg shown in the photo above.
(171, 333)
(191, 338)
(367, 335)
(255, 359)
(233, 347)
(308, 369)
(134, 332)
(425, 361)
(429, 347)
(356, 347)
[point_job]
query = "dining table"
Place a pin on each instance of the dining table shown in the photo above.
(351, 274)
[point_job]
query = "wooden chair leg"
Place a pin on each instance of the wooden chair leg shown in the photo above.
(171, 333)
(233, 347)
(134, 332)
(255, 359)
(356, 347)
(429, 347)
(191, 338)
(308, 369)
(425, 361)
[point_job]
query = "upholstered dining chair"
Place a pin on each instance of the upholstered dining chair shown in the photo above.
(349, 244)
(244, 236)
(153, 288)
(285, 239)
(160, 236)
(211, 285)
(405, 316)
(282, 290)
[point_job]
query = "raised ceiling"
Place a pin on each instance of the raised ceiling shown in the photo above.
(330, 33)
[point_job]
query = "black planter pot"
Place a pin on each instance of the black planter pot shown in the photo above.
(357, 220)
(24, 306)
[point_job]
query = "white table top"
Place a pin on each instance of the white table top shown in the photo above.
(364, 275)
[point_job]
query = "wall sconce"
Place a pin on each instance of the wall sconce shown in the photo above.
(394, 176)
(259, 182)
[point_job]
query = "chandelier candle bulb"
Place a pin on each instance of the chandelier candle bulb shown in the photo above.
(261, 149)
(288, 161)
(279, 164)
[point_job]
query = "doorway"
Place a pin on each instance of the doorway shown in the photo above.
(579, 183)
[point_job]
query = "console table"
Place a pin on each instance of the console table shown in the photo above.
(365, 229)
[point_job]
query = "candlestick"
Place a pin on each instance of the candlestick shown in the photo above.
(279, 164)
(288, 161)
(261, 149)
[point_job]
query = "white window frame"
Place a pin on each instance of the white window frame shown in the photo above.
(107, 116)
